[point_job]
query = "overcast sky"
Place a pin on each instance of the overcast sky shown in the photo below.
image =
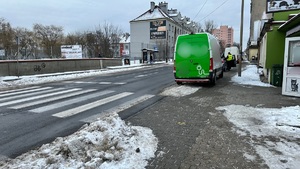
(84, 15)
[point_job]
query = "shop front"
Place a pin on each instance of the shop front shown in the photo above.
(291, 67)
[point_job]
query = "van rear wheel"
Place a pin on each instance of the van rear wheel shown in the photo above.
(221, 74)
(213, 79)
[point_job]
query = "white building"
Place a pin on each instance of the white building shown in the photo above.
(153, 34)
(122, 49)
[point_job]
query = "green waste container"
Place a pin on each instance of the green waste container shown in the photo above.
(277, 73)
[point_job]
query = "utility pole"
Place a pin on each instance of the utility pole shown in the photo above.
(18, 72)
(241, 40)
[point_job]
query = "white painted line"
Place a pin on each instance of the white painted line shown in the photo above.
(39, 96)
(82, 82)
(118, 108)
(120, 83)
(17, 90)
(21, 92)
(139, 76)
(89, 106)
(51, 99)
(69, 102)
(105, 83)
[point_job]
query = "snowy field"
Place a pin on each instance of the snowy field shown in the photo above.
(111, 144)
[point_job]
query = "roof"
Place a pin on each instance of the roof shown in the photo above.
(125, 39)
(157, 13)
(294, 21)
(292, 26)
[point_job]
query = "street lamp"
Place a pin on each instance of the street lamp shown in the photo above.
(241, 40)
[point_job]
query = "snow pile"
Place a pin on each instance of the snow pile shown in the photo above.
(278, 129)
(250, 76)
(106, 143)
(179, 91)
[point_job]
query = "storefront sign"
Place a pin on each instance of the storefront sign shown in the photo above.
(282, 5)
(158, 29)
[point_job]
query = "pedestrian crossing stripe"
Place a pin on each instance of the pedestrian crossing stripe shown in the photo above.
(101, 83)
(50, 93)
(118, 108)
(81, 82)
(36, 95)
(18, 94)
(105, 83)
(74, 93)
(16, 90)
(77, 110)
(69, 102)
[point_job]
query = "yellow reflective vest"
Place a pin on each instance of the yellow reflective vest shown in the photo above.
(229, 57)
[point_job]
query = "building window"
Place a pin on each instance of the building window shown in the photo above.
(294, 54)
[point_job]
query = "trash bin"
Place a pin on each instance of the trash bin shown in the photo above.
(276, 76)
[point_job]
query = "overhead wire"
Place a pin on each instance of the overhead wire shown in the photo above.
(214, 10)
(200, 10)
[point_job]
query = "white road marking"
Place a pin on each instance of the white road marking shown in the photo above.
(139, 76)
(69, 102)
(105, 83)
(118, 108)
(76, 110)
(52, 99)
(22, 92)
(37, 97)
(17, 90)
(80, 82)
(120, 83)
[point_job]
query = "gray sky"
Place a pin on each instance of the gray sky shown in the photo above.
(84, 15)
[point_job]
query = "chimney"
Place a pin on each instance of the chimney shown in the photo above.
(152, 5)
(164, 6)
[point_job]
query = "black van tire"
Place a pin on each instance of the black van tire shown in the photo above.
(221, 74)
(213, 79)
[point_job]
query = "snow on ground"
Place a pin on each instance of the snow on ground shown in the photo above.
(179, 91)
(278, 129)
(108, 143)
(250, 76)
(263, 124)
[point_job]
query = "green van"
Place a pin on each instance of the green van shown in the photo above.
(197, 59)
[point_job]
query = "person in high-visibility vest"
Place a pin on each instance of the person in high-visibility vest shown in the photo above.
(229, 60)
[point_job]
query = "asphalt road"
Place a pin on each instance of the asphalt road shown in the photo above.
(36, 115)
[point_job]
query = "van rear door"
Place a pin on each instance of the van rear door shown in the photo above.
(192, 56)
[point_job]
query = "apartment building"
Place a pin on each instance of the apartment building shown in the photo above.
(153, 34)
(225, 35)
(258, 14)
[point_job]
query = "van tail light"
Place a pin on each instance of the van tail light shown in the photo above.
(211, 64)
(174, 68)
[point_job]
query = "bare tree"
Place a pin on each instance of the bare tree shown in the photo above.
(27, 43)
(7, 39)
(209, 26)
(106, 35)
(50, 38)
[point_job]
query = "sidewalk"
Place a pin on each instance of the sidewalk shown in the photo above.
(192, 134)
